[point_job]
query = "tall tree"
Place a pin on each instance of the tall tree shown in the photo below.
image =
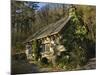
(23, 16)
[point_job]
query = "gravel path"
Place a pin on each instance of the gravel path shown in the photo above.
(23, 67)
(90, 65)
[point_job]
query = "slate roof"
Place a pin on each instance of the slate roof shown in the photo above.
(49, 29)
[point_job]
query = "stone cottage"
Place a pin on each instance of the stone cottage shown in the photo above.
(49, 40)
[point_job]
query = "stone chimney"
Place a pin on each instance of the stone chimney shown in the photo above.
(72, 10)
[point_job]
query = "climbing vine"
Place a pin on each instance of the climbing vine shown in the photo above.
(74, 36)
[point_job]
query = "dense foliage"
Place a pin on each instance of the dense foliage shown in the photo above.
(78, 39)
